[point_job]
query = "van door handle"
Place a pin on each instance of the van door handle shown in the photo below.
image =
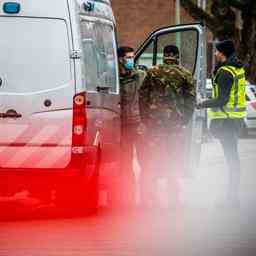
(11, 113)
(103, 89)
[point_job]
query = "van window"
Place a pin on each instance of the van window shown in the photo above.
(34, 54)
(99, 55)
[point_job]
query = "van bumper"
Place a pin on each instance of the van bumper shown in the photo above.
(84, 168)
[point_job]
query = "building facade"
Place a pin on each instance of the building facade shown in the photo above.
(137, 18)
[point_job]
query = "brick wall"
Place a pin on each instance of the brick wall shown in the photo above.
(137, 18)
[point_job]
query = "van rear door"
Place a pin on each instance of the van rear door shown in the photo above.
(102, 85)
(190, 39)
(36, 93)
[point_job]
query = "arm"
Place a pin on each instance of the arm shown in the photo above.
(224, 81)
(144, 97)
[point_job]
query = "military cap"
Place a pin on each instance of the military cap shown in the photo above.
(226, 47)
(172, 51)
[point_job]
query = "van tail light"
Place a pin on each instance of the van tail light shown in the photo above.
(79, 124)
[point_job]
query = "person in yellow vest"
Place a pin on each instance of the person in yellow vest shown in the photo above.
(226, 111)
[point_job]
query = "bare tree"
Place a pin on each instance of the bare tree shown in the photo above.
(234, 19)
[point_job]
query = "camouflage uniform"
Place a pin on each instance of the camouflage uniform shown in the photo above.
(167, 97)
(166, 101)
(129, 91)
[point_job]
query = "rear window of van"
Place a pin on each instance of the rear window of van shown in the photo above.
(34, 54)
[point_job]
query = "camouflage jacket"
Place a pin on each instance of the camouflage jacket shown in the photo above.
(129, 92)
(167, 97)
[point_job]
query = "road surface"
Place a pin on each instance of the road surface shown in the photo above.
(197, 228)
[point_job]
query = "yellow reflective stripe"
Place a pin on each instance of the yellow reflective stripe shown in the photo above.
(236, 78)
(227, 109)
(217, 115)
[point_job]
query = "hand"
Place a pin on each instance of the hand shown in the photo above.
(199, 102)
(199, 105)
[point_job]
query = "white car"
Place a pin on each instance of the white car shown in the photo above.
(250, 119)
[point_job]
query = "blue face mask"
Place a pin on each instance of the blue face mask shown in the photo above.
(129, 64)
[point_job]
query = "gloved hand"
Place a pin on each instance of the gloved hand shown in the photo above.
(199, 105)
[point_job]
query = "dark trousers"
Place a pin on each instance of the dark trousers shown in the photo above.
(229, 142)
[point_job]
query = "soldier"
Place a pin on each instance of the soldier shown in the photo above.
(130, 82)
(167, 99)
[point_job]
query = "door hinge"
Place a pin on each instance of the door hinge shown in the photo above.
(76, 54)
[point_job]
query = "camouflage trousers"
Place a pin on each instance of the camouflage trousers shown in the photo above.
(165, 158)
(166, 153)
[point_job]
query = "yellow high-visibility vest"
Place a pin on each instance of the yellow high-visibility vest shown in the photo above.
(236, 105)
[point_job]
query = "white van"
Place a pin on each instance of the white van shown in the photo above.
(59, 95)
(58, 92)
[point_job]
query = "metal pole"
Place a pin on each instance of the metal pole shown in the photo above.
(201, 4)
(177, 22)
(177, 12)
(204, 5)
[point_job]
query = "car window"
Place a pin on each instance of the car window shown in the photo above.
(186, 41)
(253, 90)
(250, 93)
(146, 58)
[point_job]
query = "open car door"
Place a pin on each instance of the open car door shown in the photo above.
(190, 39)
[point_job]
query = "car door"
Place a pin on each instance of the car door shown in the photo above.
(190, 39)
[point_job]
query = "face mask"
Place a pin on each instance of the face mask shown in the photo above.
(129, 64)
